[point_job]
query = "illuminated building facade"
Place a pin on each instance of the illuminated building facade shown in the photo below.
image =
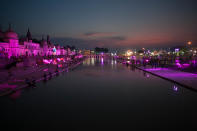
(11, 46)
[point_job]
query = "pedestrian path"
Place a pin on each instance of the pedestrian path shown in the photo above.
(185, 79)
(18, 82)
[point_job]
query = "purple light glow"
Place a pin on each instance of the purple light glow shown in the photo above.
(134, 57)
(186, 65)
(47, 61)
(102, 62)
(58, 59)
(4, 86)
(194, 62)
(177, 61)
(147, 60)
(176, 50)
(156, 69)
(178, 65)
(175, 88)
(171, 73)
(45, 70)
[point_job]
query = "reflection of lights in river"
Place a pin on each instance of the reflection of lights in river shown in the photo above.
(92, 61)
(102, 61)
(86, 62)
(175, 88)
(112, 62)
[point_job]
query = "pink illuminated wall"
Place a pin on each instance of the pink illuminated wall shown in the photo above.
(12, 47)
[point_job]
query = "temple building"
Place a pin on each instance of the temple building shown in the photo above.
(11, 46)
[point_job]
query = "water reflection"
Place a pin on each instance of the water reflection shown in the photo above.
(92, 61)
(147, 75)
(86, 94)
(100, 61)
(113, 63)
(175, 88)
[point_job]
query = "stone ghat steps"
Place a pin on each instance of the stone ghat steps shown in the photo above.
(8, 91)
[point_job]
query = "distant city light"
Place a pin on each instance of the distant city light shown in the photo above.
(175, 88)
(189, 42)
(129, 53)
(177, 50)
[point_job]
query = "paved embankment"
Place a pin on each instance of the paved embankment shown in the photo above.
(186, 79)
(18, 80)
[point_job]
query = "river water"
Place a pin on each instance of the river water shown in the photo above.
(100, 94)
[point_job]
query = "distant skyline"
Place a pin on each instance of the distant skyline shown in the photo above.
(105, 23)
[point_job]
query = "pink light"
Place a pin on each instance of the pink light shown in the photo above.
(102, 62)
(58, 59)
(80, 56)
(147, 60)
(133, 57)
(60, 65)
(46, 61)
(186, 65)
(54, 62)
(179, 65)
(194, 62)
(3, 86)
(45, 69)
(177, 61)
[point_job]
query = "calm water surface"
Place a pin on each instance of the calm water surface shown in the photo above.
(100, 94)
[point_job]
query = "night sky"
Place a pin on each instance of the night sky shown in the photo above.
(104, 23)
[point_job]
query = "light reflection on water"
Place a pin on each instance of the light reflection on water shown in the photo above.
(94, 94)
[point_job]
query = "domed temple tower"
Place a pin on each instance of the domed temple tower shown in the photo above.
(12, 39)
(10, 35)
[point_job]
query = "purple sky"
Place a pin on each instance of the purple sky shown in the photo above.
(105, 23)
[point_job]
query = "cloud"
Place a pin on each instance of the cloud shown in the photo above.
(118, 41)
(107, 42)
(98, 34)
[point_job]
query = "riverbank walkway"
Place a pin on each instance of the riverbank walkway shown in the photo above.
(16, 81)
(186, 79)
